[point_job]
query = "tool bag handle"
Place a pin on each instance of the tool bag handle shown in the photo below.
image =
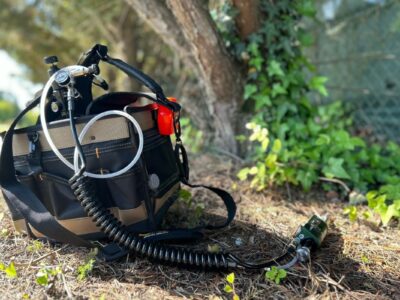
(100, 52)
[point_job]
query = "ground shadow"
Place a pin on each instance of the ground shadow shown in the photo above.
(332, 270)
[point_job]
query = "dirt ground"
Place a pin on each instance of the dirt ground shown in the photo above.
(356, 261)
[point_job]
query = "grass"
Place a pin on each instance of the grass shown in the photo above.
(356, 261)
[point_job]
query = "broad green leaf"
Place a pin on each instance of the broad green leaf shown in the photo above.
(264, 144)
(392, 190)
(334, 168)
(306, 39)
(323, 139)
(278, 89)
(318, 83)
(253, 171)
(230, 278)
(256, 62)
(228, 288)
(249, 90)
(306, 178)
(272, 273)
(243, 173)
(352, 212)
(277, 146)
(261, 101)
(282, 273)
(271, 159)
(42, 277)
(307, 8)
(274, 69)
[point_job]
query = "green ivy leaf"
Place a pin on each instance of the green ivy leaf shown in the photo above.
(249, 90)
(278, 89)
(392, 191)
(274, 69)
(261, 101)
(323, 139)
(306, 39)
(306, 178)
(318, 83)
(307, 8)
(334, 168)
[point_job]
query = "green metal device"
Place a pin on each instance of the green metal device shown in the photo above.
(312, 233)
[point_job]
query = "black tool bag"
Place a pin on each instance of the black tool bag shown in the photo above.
(35, 184)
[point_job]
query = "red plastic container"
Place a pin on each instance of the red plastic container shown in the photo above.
(165, 119)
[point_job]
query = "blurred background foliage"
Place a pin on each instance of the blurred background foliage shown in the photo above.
(278, 66)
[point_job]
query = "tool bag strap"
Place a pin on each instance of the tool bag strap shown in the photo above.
(100, 52)
(180, 234)
(24, 200)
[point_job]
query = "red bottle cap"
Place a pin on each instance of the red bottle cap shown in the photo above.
(165, 119)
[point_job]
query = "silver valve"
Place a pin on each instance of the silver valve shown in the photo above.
(63, 76)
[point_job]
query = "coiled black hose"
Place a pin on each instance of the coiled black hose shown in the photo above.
(85, 192)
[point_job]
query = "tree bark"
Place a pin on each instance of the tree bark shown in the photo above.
(160, 19)
(248, 19)
(221, 75)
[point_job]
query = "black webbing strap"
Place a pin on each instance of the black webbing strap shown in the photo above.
(180, 234)
(226, 198)
(24, 200)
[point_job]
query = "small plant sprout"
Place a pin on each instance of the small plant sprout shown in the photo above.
(87, 267)
(352, 212)
(35, 246)
(10, 270)
(275, 274)
(46, 276)
(230, 286)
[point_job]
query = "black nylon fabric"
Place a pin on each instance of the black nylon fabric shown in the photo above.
(24, 200)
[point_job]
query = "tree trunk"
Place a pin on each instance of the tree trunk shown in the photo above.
(248, 19)
(161, 20)
(222, 77)
(187, 27)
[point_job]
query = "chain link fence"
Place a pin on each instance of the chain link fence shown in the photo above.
(357, 46)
